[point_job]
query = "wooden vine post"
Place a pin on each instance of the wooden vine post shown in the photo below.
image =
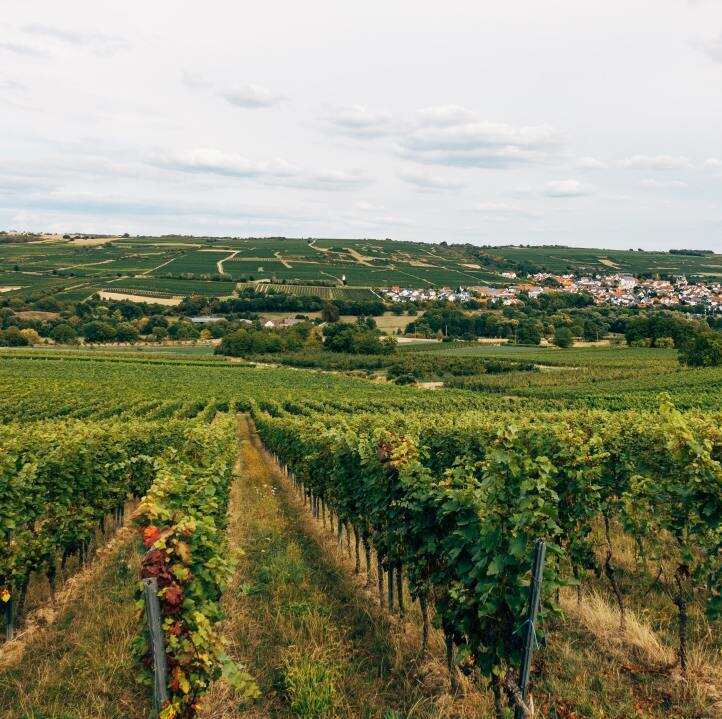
(157, 646)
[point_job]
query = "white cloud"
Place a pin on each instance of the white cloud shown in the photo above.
(17, 48)
(566, 188)
(117, 205)
(480, 144)
(429, 182)
(217, 162)
(366, 206)
(252, 97)
(12, 86)
(712, 163)
(331, 180)
(503, 210)
(277, 172)
(450, 135)
(711, 46)
(98, 42)
(360, 122)
(443, 115)
(656, 162)
(590, 163)
(651, 184)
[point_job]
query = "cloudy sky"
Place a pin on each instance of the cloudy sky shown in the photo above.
(582, 123)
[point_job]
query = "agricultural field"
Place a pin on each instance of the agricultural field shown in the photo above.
(325, 293)
(196, 261)
(435, 530)
(169, 287)
(579, 260)
(332, 546)
(147, 263)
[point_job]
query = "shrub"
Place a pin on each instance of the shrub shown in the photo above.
(705, 350)
(563, 337)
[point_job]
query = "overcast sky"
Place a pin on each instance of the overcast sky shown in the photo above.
(584, 123)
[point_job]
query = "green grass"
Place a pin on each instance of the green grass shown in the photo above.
(81, 666)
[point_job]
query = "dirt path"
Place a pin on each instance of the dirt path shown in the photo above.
(162, 264)
(282, 260)
(219, 264)
(301, 623)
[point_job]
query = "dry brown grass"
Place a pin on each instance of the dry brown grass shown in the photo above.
(636, 642)
(638, 648)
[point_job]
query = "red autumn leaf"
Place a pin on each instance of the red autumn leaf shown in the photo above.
(151, 535)
(155, 564)
(173, 595)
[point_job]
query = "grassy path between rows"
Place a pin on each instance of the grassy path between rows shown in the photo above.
(80, 666)
(316, 644)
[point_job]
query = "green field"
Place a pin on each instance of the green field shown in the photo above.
(183, 288)
(572, 259)
(326, 293)
(151, 263)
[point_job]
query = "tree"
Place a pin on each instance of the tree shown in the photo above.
(63, 334)
(357, 339)
(529, 332)
(31, 336)
(125, 332)
(159, 333)
(705, 350)
(594, 329)
(563, 337)
(330, 313)
(12, 337)
(97, 331)
(183, 331)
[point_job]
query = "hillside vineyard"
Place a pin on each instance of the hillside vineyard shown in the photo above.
(443, 495)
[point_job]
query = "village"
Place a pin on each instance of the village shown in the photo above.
(622, 290)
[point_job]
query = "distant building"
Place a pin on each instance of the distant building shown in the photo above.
(205, 320)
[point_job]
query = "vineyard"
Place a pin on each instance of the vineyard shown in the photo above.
(320, 545)
(325, 293)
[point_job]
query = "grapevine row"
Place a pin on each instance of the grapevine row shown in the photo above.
(58, 483)
(458, 504)
(182, 521)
